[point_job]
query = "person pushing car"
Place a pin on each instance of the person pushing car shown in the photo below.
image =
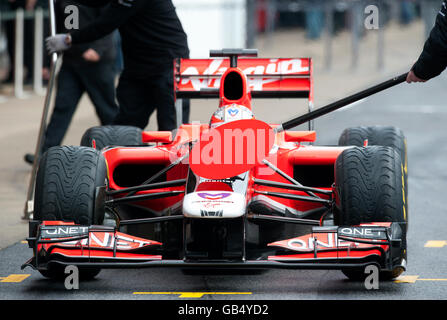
(152, 36)
(433, 60)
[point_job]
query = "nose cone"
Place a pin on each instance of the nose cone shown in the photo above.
(214, 204)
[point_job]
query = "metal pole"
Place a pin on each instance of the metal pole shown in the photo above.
(179, 112)
(29, 205)
(329, 12)
(270, 18)
(423, 4)
(429, 10)
(38, 51)
(381, 40)
(18, 56)
(355, 15)
(341, 103)
(250, 23)
(394, 9)
(2, 98)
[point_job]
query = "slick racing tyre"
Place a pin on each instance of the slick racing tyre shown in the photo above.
(103, 136)
(386, 136)
(66, 184)
(369, 188)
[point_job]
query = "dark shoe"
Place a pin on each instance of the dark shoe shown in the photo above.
(29, 158)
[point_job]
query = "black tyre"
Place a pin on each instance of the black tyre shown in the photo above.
(369, 188)
(386, 136)
(103, 136)
(66, 184)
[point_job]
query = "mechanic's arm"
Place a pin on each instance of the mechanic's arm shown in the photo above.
(100, 46)
(93, 3)
(118, 13)
(433, 59)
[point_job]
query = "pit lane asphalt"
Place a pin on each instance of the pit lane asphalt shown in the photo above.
(419, 110)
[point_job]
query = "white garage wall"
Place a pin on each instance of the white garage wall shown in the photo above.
(212, 24)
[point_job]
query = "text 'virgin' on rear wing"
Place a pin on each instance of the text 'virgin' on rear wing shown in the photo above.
(267, 78)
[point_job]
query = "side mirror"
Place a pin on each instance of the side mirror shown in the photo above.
(157, 136)
(300, 136)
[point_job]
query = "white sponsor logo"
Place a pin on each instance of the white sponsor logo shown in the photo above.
(300, 244)
(357, 231)
(108, 241)
(66, 230)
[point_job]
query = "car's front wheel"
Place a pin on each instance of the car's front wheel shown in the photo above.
(369, 188)
(66, 184)
(386, 136)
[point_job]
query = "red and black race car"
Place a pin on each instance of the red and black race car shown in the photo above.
(128, 198)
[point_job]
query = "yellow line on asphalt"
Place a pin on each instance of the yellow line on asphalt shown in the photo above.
(435, 244)
(15, 278)
(190, 294)
(406, 279)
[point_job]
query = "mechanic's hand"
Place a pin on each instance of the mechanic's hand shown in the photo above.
(413, 78)
(45, 73)
(91, 55)
(58, 43)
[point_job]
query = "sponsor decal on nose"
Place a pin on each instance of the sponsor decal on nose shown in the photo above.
(214, 196)
(233, 112)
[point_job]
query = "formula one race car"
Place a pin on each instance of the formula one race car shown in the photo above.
(128, 198)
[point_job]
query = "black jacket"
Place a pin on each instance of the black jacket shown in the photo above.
(104, 46)
(433, 59)
(151, 34)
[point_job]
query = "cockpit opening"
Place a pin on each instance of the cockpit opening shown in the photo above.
(233, 86)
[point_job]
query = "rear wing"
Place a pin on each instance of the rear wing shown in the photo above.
(267, 78)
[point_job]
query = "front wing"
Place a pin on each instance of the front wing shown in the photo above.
(331, 247)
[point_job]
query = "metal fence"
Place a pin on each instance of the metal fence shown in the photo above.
(19, 16)
(355, 11)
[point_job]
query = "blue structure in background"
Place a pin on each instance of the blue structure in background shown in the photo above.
(314, 20)
(408, 11)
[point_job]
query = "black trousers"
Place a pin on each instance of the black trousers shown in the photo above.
(97, 79)
(139, 98)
